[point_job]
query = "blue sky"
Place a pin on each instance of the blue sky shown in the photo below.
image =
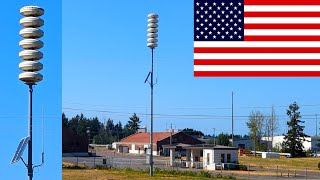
(46, 96)
(106, 60)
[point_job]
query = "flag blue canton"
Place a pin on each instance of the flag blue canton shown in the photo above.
(218, 20)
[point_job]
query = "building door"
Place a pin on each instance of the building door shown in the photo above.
(222, 158)
(228, 158)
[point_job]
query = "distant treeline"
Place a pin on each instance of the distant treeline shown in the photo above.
(109, 132)
(98, 132)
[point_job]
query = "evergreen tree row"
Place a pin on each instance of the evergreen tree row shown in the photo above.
(98, 132)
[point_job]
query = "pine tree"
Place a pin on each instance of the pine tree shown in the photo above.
(293, 140)
(65, 120)
(132, 125)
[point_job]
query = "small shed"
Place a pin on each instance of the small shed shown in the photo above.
(206, 156)
(215, 157)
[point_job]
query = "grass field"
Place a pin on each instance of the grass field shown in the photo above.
(116, 174)
(286, 163)
(71, 172)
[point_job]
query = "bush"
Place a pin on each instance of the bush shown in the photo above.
(243, 168)
(205, 174)
(231, 176)
(103, 167)
(309, 153)
(72, 166)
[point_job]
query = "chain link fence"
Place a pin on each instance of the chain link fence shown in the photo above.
(139, 163)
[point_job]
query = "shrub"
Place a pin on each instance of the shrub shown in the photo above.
(102, 167)
(205, 174)
(231, 176)
(72, 166)
(243, 168)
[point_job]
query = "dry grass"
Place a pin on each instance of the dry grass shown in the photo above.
(79, 173)
(115, 174)
(283, 163)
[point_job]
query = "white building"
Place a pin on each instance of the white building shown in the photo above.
(215, 157)
(310, 143)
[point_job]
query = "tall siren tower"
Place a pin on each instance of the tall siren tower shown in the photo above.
(31, 65)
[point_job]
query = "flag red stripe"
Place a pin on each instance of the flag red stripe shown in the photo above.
(257, 73)
(281, 14)
(257, 50)
(282, 38)
(282, 2)
(256, 62)
(282, 26)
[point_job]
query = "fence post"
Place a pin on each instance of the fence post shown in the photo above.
(277, 172)
(77, 161)
(306, 173)
(249, 171)
(295, 173)
(94, 162)
(288, 172)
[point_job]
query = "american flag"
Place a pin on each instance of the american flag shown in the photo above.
(256, 38)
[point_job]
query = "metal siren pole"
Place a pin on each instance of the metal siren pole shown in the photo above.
(152, 43)
(30, 54)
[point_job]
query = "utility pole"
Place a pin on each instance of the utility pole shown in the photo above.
(152, 43)
(171, 134)
(214, 136)
(232, 121)
(30, 165)
(316, 124)
(272, 125)
(31, 65)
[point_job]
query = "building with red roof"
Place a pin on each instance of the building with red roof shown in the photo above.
(139, 142)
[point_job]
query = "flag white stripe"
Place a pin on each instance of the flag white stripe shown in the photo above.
(281, 20)
(285, 32)
(281, 8)
(256, 55)
(256, 67)
(257, 44)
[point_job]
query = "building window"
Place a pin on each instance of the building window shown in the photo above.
(228, 158)
(196, 158)
(222, 158)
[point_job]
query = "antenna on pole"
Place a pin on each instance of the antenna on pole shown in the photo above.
(232, 120)
(42, 154)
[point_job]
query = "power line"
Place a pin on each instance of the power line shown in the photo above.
(197, 116)
(23, 117)
(103, 105)
(226, 108)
